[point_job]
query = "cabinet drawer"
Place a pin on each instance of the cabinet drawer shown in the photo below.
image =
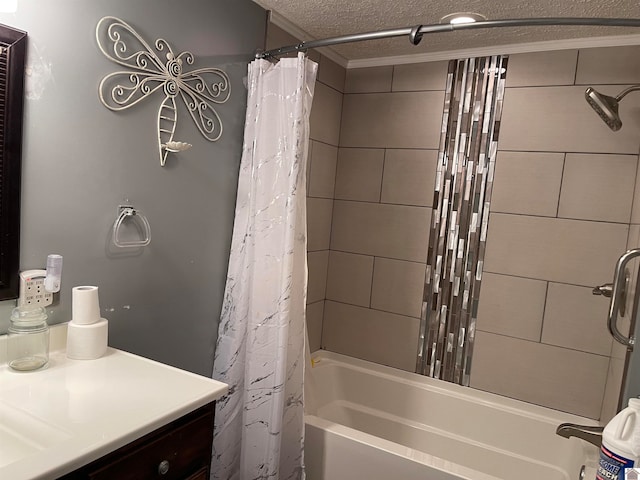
(178, 453)
(202, 474)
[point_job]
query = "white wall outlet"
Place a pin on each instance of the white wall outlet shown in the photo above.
(32, 290)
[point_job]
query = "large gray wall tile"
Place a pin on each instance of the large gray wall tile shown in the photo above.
(511, 306)
(420, 76)
(318, 223)
(315, 312)
(325, 115)
(322, 170)
(391, 231)
(598, 187)
(372, 335)
(612, 390)
(359, 174)
(567, 251)
(527, 183)
(317, 263)
(367, 80)
(331, 74)
(398, 286)
(349, 278)
(392, 120)
(608, 65)
(558, 119)
(554, 377)
(409, 176)
(575, 318)
(542, 68)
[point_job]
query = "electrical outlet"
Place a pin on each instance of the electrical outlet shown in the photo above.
(32, 290)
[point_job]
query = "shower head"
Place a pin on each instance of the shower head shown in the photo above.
(606, 107)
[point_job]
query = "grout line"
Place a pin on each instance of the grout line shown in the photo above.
(324, 304)
(563, 152)
(373, 272)
(384, 164)
(342, 98)
(561, 85)
(435, 149)
(313, 303)
(326, 285)
(564, 164)
(341, 302)
(347, 147)
(309, 162)
(635, 192)
(393, 73)
(546, 344)
(328, 86)
(544, 308)
(607, 222)
(605, 389)
(320, 198)
(326, 273)
(382, 203)
(517, 214)
(324, 143)
(537, 279)
(378, 256)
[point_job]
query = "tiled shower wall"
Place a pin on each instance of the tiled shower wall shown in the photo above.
(563, 209)
(561, 215)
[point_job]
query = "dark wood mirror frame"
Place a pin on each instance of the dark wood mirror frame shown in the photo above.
(13, 45)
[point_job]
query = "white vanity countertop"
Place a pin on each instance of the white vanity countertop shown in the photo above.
(58, 419)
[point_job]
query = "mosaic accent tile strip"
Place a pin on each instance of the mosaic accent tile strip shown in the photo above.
(458, 232)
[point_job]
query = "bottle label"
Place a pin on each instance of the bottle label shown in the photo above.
(612, 465)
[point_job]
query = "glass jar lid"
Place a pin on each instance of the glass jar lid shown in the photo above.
(28, 317)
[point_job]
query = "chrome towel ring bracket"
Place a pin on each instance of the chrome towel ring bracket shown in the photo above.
(129, 214)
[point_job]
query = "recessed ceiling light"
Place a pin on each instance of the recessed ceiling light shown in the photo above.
(462, 17)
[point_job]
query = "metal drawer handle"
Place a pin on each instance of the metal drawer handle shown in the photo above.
(163, 468)
(619, 283)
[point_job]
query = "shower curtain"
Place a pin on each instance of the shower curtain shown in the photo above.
(259, 425)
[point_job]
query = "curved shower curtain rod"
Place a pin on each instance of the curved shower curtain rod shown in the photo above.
(415, 33)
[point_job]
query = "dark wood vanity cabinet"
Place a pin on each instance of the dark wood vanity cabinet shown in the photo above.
(180, 450)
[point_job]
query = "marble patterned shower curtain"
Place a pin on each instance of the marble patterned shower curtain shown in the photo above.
(259, 425)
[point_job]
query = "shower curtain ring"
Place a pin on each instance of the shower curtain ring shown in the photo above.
(415, 36)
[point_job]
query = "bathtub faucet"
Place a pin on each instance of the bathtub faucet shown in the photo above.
(593, 435)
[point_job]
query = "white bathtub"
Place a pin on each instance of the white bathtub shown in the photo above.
(369, 422)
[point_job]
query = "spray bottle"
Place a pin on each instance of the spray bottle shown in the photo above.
(620, 443)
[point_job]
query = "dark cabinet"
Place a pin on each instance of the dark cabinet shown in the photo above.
(180, 450)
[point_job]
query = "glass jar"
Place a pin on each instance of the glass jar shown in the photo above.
(28, 340)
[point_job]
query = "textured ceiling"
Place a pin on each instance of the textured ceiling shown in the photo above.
(330, 18)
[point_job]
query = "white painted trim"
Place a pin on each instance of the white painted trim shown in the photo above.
(291, 28)
(567, 44)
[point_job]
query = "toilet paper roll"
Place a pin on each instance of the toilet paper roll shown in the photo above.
(87, 342)
(85, 306)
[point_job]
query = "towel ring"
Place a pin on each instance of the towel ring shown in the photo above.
(129, 212)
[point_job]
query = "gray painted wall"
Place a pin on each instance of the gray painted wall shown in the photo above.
(80, 161)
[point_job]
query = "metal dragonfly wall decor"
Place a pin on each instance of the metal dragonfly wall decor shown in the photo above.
(148, 72)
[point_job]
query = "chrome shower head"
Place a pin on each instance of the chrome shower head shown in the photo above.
(606, 107)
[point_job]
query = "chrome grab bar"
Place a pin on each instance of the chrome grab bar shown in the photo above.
(619, 285)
